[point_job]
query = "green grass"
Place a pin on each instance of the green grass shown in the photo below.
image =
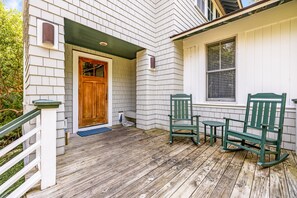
(12, 171)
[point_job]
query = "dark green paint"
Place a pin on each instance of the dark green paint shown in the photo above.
(213, 128)
(46, 104)
(18, 122)
(262, 119)
(83, 36)
(180, 111)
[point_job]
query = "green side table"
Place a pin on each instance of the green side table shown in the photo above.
(213, 125)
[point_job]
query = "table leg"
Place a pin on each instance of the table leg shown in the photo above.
(211, 136)
(204, 133)
(222, 134)
(215, 134)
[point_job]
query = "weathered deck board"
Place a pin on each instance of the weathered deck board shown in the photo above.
(225, 185)
(130, 162)
(245, 178)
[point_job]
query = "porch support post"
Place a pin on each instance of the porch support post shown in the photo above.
(48, 140)
(295, 101)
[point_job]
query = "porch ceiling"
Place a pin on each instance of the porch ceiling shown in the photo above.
(80, 35)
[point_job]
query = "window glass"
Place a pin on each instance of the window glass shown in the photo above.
(228, 54)
(210, 10)
(221, 84)
(221, 70)
(99, 70)
(214, 57)
(88, 69)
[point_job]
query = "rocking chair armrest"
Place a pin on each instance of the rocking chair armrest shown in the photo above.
(170, 116)
(234, 120)
(270, 126)
(196, 116)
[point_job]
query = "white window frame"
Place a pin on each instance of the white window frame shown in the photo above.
(221, 70)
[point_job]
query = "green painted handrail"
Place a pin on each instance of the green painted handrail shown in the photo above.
(19, 122)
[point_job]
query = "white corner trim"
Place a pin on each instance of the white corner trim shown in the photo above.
(76, 55)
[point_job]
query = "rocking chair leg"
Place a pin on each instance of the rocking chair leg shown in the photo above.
(170, 137)
(225, 141)
(262, 154)
(243, 142)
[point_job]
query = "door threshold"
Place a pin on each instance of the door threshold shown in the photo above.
(93, 127)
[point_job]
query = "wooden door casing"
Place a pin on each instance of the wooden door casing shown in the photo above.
(93, 94)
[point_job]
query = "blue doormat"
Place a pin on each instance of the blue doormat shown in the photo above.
(93, 131)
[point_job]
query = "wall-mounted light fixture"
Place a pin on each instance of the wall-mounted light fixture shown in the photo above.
(47, 34)
(152, 62)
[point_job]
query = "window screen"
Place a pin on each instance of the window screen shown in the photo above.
(221, 70)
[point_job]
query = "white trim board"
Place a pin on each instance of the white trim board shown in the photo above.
(77, 54)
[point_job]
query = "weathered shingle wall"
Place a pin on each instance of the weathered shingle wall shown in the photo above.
(173, 17)
(148, 24)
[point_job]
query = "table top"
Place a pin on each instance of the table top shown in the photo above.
(214, 123)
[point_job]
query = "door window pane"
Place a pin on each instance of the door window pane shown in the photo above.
(88, 69)
(99, 71)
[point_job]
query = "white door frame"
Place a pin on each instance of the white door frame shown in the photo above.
(76, 55)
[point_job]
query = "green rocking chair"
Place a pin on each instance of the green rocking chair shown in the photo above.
(182, 119)
(261, 116)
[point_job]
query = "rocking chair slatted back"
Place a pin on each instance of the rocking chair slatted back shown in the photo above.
(181, 106)
(263, 108)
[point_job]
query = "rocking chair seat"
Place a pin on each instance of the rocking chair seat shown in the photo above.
(251, 137)
(184, 126)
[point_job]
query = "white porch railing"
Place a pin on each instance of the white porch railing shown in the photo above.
(44, 147)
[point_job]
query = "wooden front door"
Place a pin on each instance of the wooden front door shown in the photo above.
(93, 96)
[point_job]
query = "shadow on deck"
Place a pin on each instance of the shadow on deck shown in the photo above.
(129, 162)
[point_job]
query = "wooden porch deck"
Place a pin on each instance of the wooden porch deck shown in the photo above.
(128, 162)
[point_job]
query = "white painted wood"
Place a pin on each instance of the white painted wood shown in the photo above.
(296, 130)
(18, 175)
(21, 190)
(38, 138)
(76, 55)
(265, 60)
(19, 157)
(48, 147)
(18, 141)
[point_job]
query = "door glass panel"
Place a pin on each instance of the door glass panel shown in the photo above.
(88, 69)
(99, 70)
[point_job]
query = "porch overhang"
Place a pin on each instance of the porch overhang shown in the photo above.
(233, 16)
(83, 36)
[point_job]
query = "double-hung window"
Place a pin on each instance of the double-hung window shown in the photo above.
(221, 70)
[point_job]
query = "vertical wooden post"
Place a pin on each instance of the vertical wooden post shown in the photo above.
(48, 119)
(295, 101)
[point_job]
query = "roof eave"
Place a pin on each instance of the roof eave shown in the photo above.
(247, 11)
